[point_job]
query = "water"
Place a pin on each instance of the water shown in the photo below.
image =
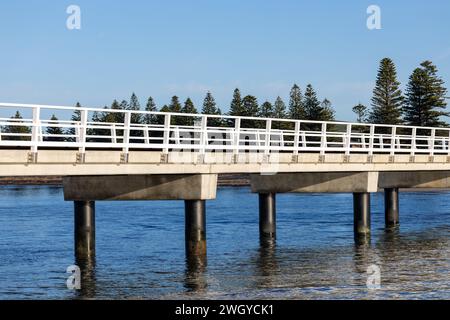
(140, 249)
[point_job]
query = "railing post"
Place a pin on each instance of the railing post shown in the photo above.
(296, 137)
(146, 136)
(236, 140)
(203, 138)
(348, 138)
(126, 138)
(431, 142)
(35, 134)
(113, 133)
(268, 138)
(393, 134)
(166, 138)
(413, 141)
(371, 139)
(81, 136)
(323, 140)
(448, 142)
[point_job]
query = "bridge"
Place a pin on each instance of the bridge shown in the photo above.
(139, 155)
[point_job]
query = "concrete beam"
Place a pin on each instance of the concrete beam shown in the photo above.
(59, 162)
(416, 179)
(141, 187)
(315, 182)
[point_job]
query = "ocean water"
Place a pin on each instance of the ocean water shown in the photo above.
(140, 249)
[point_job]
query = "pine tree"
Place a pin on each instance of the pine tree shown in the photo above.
(123, 105)
(361, 112)
(76, 117)
(116, 117)
(296, 107)
(164, 108)
(188, 107)
(209, 107)
(279, 109)
(250, 108)
(311, 104)
(266, 110)
(425, 97)
(150, 107)
(175, 106)
(326, 112)
(54, 131)
(134, 105)
(387, 97)
(316, 110)
(236, 107)
(17, 130)
(279, 112)
(100, 117)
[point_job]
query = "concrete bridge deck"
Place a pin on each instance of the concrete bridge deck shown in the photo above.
(16, 162)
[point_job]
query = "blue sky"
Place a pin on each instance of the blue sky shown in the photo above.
(184, 48)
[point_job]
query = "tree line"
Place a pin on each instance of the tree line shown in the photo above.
(422, 104)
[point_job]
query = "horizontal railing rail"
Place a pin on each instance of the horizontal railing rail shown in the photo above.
(165, 131)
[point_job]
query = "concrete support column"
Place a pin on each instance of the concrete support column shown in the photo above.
(361, 211)
(391, 207)
(267, 215)
(84, 229)
(195, 228)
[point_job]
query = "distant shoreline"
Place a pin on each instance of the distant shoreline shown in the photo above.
(224, 180)
(231, 180)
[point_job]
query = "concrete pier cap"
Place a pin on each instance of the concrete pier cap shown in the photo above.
(415, 179)
(312, 182)
(141, 187)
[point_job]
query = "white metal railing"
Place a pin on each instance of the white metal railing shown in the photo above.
(205, 133)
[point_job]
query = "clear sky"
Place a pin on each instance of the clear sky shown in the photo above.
(184, 48)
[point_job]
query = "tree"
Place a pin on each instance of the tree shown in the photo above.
(76, 117)
(164, 108)
(175, 106)
(99, 117)
(387, 97)
(316, 110)
(134, 105)
(311, 104)
(279, 112)
(425, 97)
(188, 107)
(15, 130)
(209, 107)
(236, 107)
(326, 111)
(296, 107)
(250, 109)
(266, 110)
(150, 107)
(116, 117)
(361, 112)
(54, 131)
